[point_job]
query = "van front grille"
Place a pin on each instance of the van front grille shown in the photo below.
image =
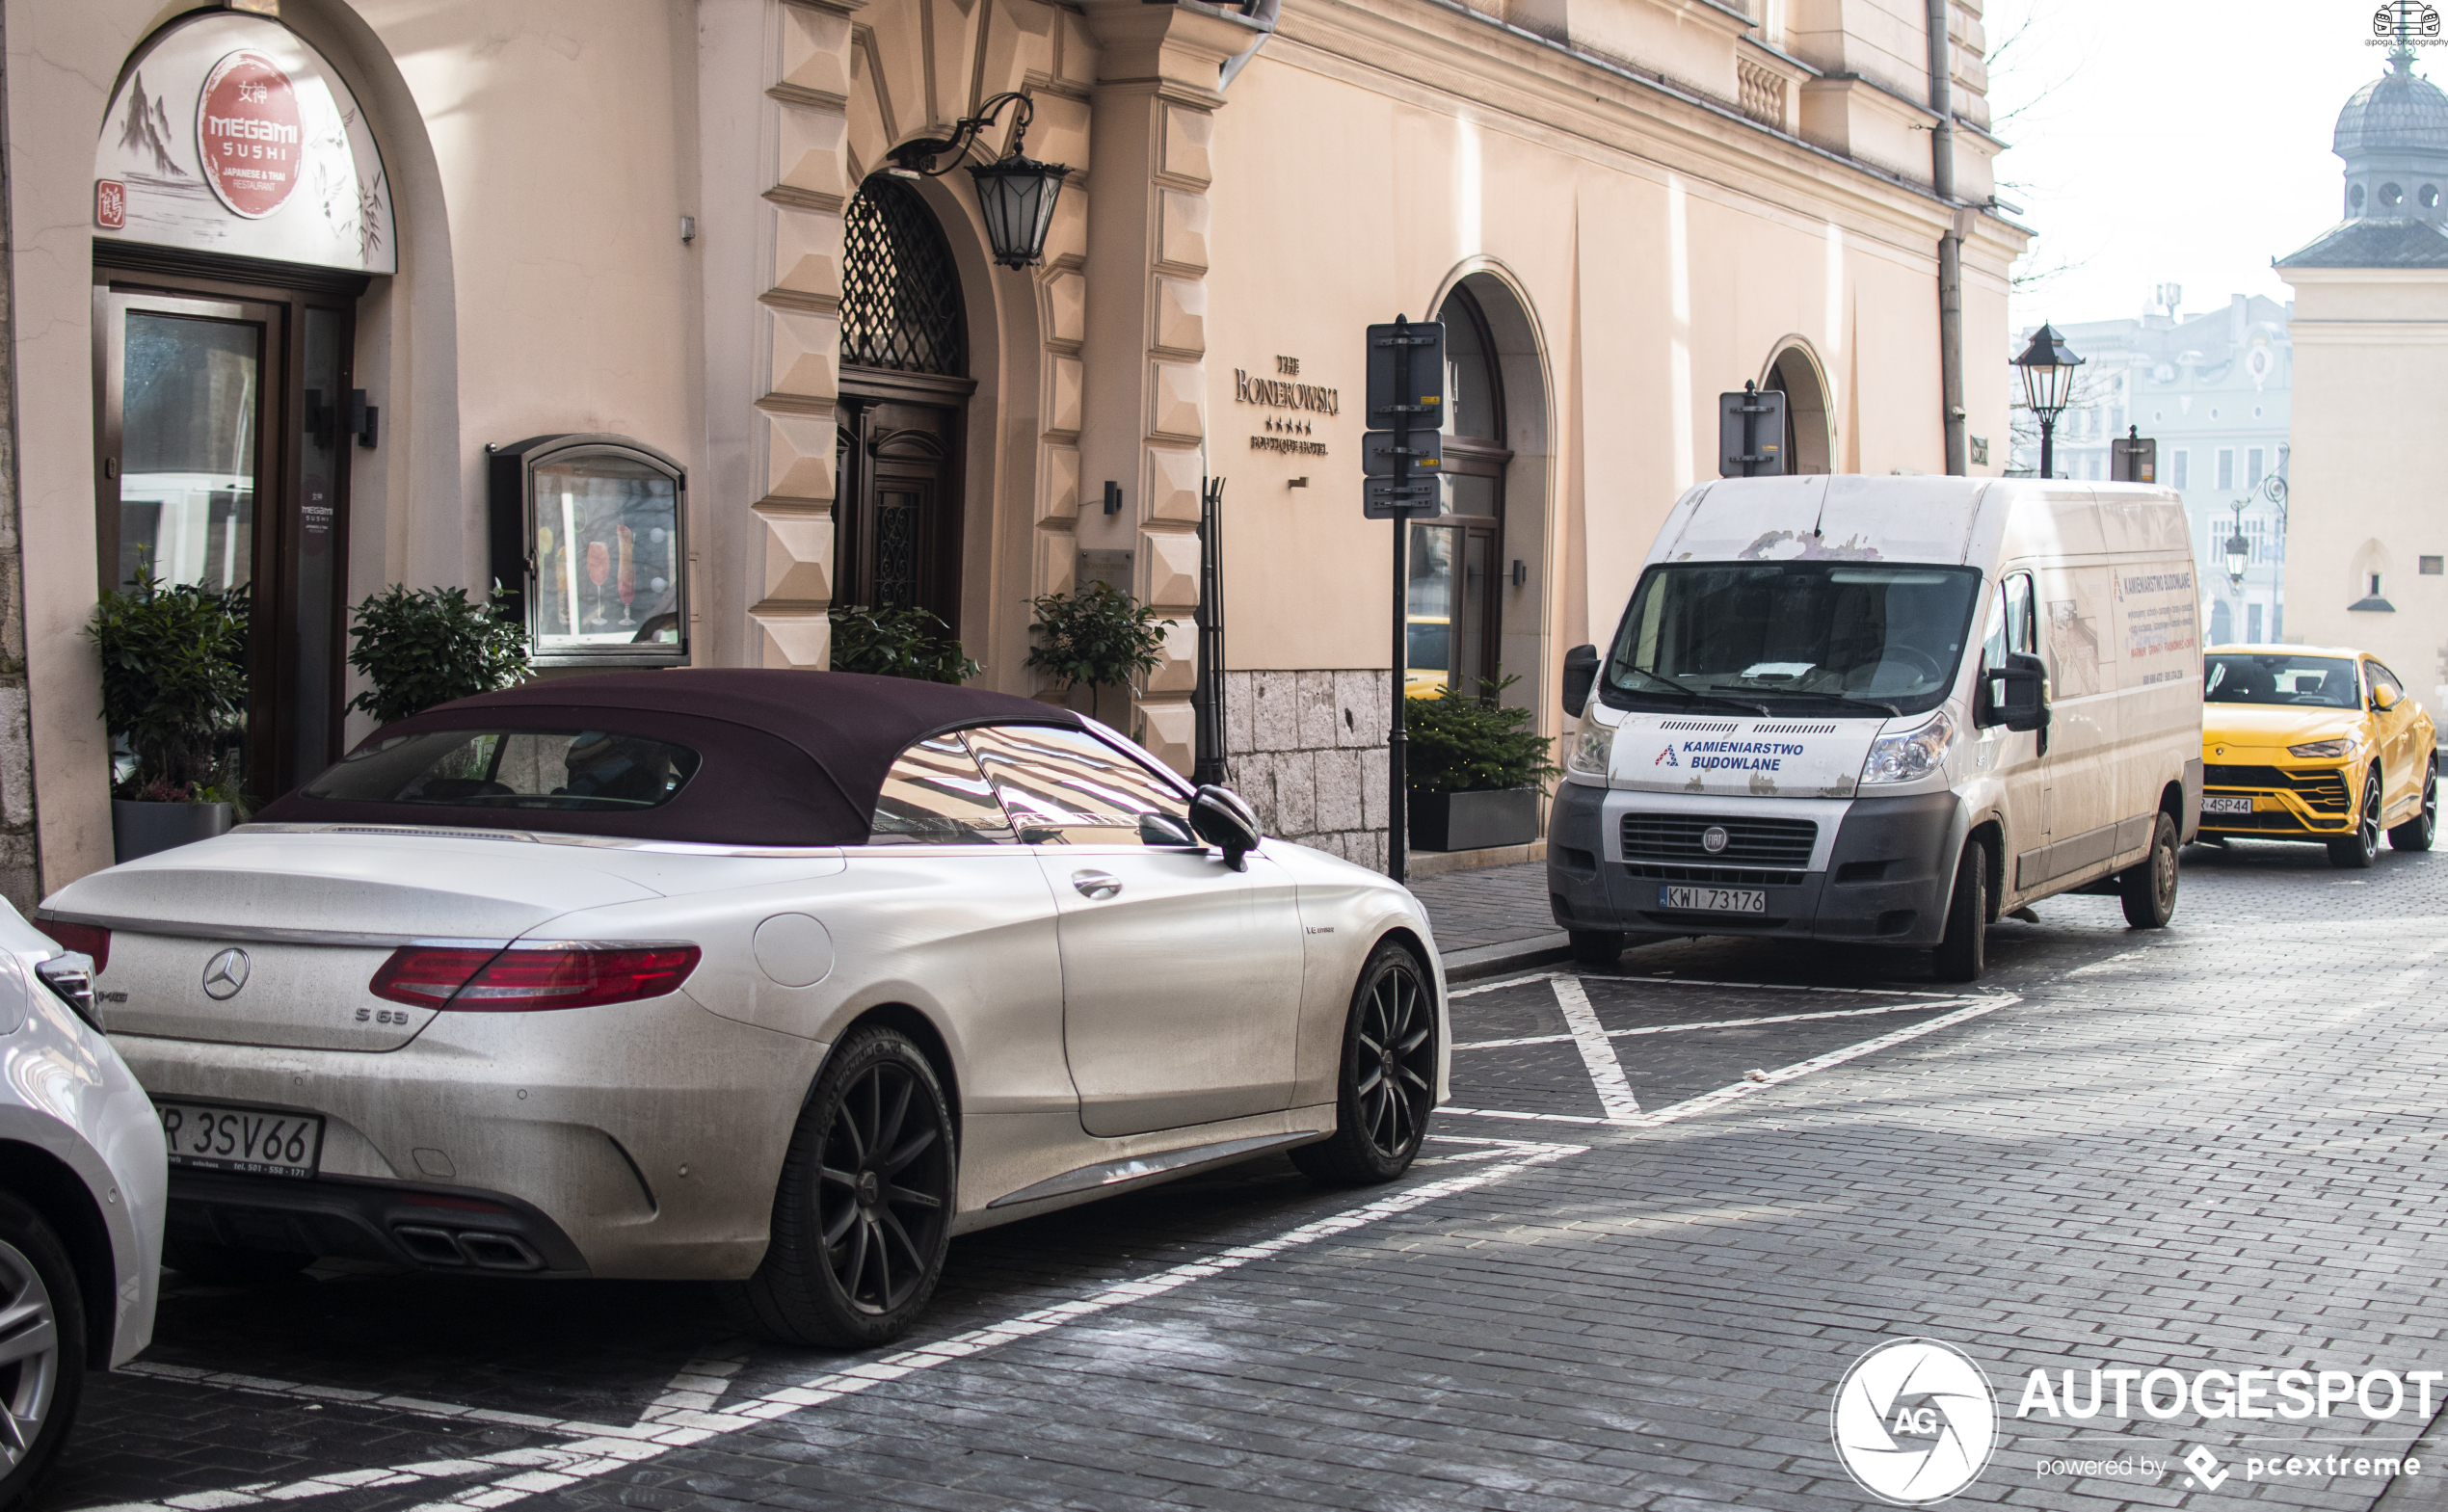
(1715, 876)
(1750, 841)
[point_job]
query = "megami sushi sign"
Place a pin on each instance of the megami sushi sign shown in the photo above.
(229, 134)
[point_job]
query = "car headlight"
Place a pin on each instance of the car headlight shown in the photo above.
(2343, 745)
(1911, 755)
(1593, 747)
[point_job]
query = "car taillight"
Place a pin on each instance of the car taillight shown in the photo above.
(527, 980)
(91, 940)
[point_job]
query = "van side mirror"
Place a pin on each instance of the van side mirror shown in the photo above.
(1224, 821)
(2016, 694)
(1580, 669)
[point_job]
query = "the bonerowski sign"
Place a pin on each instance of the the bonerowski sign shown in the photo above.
(229, 134)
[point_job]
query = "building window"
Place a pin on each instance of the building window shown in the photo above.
(2252, 469)
(2355, 197)
(901, 295)
(2430, 566)
(2176, 475)
(2391, 196)
(2375, 585)
(2252, 623)
(2226, 466)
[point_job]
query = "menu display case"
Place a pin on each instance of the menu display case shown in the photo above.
(589, 538)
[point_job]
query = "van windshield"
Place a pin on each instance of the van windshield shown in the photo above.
(1772, 636)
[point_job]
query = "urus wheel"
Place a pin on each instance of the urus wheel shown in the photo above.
(41, 1349)
(2361, 848)
(2417, 833)
(2150, 888)
(1387, 1084)
(862, 1215)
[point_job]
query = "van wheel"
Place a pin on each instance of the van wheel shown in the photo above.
(1962, 953)
(1596, 946)
(2150, 888)
(2415, 834)
(2361, 848)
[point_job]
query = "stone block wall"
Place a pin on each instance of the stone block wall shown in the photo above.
(1308, 750)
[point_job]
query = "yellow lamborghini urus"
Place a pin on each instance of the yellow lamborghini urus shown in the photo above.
(2305, 743)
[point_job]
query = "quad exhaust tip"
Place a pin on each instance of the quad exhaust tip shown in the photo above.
(482, 1249)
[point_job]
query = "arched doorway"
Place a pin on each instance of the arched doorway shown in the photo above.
(1794, 373)
(1455, 603)
(903, 401)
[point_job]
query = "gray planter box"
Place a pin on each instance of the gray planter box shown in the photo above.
(1474, 821)
(140, 829)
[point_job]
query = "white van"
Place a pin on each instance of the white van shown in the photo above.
(1885, 710)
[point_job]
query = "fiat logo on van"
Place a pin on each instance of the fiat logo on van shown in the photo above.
(1712, 839)
(226, 973)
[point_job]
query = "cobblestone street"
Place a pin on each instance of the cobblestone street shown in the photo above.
(1668, 1207)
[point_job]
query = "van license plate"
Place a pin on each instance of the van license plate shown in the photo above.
(2226, 805)
(1714, 900)
(204, 1137)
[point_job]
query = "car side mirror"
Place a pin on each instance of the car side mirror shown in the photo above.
(2016, 694)
(2383, 699)
(1165, 831)
(1220, 818)
(1580, 669)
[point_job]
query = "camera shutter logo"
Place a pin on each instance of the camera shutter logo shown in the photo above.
(1914, 1422)
(226, 973)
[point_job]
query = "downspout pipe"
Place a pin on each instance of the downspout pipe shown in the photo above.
(1951, 244)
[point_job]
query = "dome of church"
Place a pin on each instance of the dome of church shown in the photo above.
(2397, 112)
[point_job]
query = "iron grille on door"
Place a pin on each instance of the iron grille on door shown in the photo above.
(900, 294)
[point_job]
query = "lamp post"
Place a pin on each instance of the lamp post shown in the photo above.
(1016, 193)
(2238, 550)
(2048, 366)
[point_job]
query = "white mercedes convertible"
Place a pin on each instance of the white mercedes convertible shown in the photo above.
(774, 978)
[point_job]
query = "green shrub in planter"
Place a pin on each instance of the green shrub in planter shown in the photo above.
(173, 686)
(897, 643)
(1461, 744)
(1098, 637)
(430, 645)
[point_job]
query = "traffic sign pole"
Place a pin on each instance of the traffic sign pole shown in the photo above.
(1398, 742)
(1402, 482)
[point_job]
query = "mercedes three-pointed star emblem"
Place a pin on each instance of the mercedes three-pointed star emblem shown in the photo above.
(226, 973)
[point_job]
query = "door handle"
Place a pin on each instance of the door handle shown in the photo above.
(1097, 885)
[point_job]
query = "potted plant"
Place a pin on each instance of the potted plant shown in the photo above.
(1098, 637)
(174, 700)
(430, 645)
(897, 643)
(1474, 772)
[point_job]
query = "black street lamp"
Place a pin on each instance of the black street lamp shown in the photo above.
(2238, 550)
(1016, 193)
(2048, 366)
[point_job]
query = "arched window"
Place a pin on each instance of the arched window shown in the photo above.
(1457, 563)
(897, 505)
(1807, 444)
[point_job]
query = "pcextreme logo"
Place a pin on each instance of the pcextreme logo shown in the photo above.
(1914, 1422)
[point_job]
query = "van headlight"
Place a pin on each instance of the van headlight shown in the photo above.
(1911, 755)
(1592, 749)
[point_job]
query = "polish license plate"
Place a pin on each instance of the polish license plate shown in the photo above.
(1714, 900)
(204, 1136)
(2219, 804)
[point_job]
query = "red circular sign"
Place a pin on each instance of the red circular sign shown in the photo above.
(247, 134)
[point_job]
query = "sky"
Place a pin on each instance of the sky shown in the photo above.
(2171, 142)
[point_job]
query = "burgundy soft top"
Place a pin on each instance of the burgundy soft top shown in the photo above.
(788, 757)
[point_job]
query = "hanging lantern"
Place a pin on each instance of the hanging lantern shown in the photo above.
(1017, 196)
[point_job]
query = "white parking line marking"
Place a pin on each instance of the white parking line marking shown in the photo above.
(1728, 1024)
(676, 1421)
(1597, 1052)
(1696, 981)
(1708, 1101)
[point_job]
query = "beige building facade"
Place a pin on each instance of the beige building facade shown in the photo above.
(673, 224)
(2366, 542)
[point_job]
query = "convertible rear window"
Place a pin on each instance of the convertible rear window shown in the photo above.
(564, 770)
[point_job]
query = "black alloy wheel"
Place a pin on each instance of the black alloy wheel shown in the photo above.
(863, 1214)
(2361, 848)
(1386, 1085)
(2417, 833)
(41, 1349)
(1962, 953)
(2149, 887)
